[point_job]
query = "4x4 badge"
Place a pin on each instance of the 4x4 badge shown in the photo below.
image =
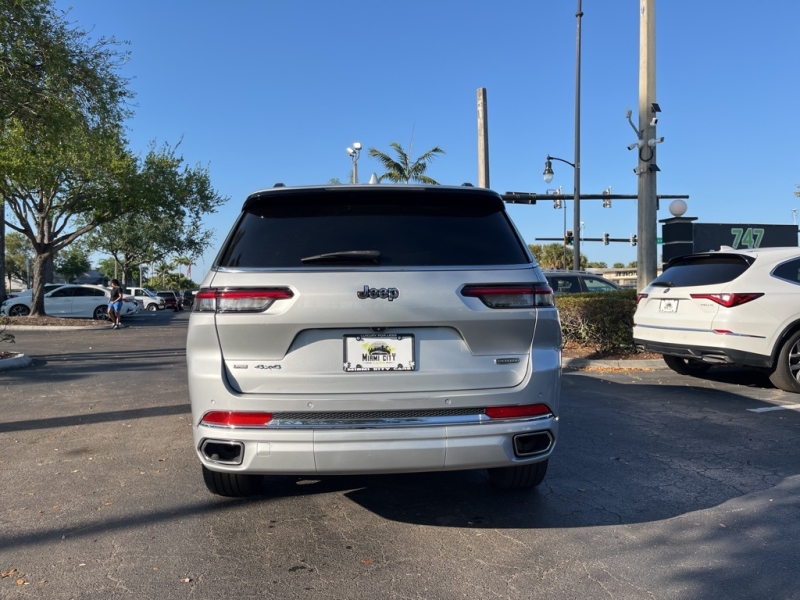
(386, 293)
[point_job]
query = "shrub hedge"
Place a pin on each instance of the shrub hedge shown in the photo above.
(603, 320)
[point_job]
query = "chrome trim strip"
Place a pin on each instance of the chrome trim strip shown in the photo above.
(386, 423)
(744, 335)
(693, 330)
(672, 328)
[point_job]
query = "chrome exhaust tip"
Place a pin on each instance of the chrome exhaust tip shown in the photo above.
(531, 444)
(222, 452)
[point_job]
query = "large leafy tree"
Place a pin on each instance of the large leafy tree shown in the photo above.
(551, 256)
(402, 169)
(73, 262)
(169, 225)
(59, 189)
(53, 78)
(18, 255)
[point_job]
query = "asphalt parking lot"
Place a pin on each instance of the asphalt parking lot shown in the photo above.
(661, 486)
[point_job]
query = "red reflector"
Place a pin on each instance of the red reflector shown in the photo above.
(640, 297)
(236, 419)
(510, 412)
(728, 300)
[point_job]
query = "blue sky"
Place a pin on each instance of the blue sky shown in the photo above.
(275, 91)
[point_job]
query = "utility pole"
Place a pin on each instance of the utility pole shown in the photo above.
(483, 139)
(646, 250)
(576, 250)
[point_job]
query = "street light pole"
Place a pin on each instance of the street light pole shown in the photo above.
(576, 251)
(548, 177)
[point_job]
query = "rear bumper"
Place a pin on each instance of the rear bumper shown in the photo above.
(708, 354)
(365, 451)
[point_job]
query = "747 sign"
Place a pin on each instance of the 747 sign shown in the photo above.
(748, 238)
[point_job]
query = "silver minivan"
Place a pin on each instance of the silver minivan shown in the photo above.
(373, 329)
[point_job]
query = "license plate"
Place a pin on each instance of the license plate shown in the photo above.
(670, 305)
(379, 352)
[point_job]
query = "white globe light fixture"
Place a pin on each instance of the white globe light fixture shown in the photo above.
(678, 208)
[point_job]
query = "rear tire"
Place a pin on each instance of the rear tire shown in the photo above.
(686, 366)
(786, 375)
(101, 314)
(234, 485)
(522, 476)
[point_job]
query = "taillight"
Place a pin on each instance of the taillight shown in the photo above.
(511, 296)
(227, 418)
(728, 300)
(513, 412)
(246, 300)
(640, 296)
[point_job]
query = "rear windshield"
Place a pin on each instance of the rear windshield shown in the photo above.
(703, 269)
(398, 229)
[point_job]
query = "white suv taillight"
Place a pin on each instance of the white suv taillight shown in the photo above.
(241, 300)
(511, 296)
(728, 300)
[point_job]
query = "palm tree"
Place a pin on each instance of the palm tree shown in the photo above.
(403, 170)
(163, 270)
(182, 261)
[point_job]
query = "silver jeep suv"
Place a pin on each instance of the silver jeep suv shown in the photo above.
(373, 329)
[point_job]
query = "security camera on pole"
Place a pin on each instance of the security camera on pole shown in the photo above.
(354, 153)
(645, 145)
(647, 226)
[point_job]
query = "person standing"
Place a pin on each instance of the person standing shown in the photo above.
(115, 305)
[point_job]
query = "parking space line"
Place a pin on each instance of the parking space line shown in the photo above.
(771, 408)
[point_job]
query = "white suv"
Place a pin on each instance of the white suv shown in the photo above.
(147, 299)
(373, 329)
(727, 307)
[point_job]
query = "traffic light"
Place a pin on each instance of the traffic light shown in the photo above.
(607, 198)
(605, 239)
(569, 239)
(634, 239)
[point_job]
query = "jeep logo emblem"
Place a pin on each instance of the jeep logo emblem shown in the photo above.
(385, 293)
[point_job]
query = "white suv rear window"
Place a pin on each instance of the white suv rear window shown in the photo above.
(703, 270)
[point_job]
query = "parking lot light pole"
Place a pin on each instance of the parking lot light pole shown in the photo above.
(548, 177)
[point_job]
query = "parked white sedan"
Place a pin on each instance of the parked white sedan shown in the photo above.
(81, 301)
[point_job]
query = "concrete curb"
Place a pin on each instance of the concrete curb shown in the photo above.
(582, 363)
(17, 362)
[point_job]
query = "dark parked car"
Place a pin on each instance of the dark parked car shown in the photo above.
(576, 282)
(171, 299)
(188, 297)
